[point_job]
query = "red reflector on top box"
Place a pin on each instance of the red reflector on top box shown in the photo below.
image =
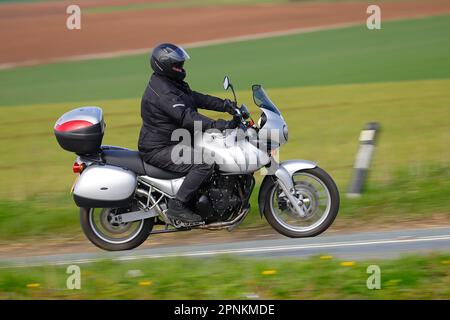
(73, 125)
(81, 130)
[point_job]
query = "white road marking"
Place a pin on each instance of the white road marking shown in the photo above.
(284, 248)
(242, 250)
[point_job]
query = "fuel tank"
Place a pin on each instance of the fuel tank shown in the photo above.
(234, 152)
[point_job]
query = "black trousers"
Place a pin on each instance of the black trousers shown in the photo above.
(196, 173)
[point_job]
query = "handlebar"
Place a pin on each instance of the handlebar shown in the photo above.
(246, 120)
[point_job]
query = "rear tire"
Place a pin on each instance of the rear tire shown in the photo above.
(294, 231)
(101, 241)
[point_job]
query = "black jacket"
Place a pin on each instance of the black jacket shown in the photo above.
(168, 105)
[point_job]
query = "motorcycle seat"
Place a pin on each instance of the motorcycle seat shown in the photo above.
(131, 160)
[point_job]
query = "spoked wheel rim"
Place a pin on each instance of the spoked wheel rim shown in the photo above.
(104, 227)
(315, 198)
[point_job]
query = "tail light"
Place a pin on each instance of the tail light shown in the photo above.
(78, 167)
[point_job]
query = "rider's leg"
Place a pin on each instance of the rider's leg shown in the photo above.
(196, 175)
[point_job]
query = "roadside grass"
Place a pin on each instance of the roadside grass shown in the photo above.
(409, 177)
(403, 50)
(39, 217)
(412, 193)
(410, 277)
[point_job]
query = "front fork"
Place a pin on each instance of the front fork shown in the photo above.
(286, 183)
(284, 172)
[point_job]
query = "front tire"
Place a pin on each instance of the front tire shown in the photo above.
(320, 198)
(110, 237)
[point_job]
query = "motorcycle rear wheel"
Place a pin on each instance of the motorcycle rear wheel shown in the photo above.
(110, 236)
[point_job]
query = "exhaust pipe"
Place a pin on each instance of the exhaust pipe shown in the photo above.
(142, 192)
(229, 224)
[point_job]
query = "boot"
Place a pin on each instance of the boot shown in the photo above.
(177, 210)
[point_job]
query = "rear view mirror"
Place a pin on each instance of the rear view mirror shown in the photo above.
(226, 83)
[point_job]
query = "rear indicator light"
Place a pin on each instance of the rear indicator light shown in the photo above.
(78, 167)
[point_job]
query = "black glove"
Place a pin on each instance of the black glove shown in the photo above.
(234, 123)
(223, 124)
(229, 106)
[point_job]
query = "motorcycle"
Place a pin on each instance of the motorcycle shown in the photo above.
(122, 198)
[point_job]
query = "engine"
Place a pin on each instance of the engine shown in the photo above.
(219, 199)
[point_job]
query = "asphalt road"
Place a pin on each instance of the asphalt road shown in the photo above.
(355, 246)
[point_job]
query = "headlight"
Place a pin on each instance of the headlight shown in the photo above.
(285, 132)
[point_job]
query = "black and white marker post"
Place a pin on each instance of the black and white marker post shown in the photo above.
(363, 158)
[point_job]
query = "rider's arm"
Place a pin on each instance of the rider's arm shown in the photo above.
(185, 117)
(208, 102)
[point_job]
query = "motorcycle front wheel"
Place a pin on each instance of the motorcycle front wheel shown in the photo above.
(318, 197)
(103, 232)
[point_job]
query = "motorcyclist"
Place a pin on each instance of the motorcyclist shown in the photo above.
(168, 103)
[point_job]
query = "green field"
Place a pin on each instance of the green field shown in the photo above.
(402, 50)
(315, 278)
(327, 84)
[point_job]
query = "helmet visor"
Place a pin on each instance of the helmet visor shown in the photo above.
(179, 55)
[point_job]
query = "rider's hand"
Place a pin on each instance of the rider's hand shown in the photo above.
(224, 124)
(229, 106)
(234, 123)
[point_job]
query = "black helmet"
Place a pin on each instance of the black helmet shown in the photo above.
(168, 59)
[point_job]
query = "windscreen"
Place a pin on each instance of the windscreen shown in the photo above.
(262, 100)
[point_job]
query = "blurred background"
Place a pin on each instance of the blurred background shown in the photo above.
(326, 71)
